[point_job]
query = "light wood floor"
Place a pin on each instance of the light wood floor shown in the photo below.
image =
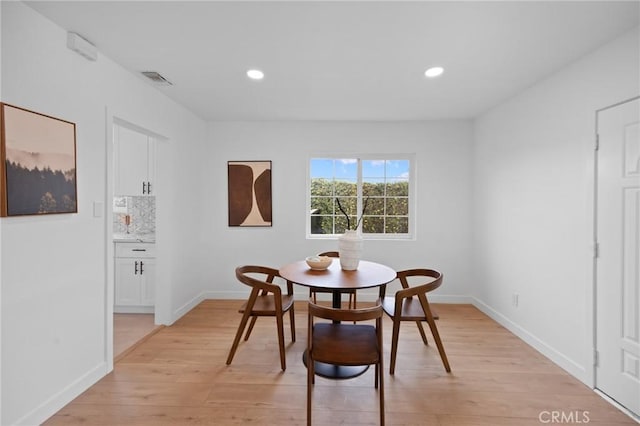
(178, 377)
(128, 330)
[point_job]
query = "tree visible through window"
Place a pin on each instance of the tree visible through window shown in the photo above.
(382, 183)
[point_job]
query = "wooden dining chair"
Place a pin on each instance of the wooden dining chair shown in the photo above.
(345, 344)
(265, 300)
(351, 292)
(411, 304)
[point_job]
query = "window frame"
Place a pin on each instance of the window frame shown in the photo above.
(410, 157)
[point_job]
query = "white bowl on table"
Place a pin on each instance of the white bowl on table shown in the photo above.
(319, 263)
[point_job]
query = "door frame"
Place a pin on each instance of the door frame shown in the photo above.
(162, 302)
(593, 299)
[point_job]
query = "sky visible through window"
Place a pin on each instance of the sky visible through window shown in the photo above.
(347, 169)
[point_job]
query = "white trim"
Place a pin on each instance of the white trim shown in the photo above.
(617, 405)
(64, 397)
(364, 295)
(185, 308)
(109, 263)
(571, 366)
(163, 302)
(133, 309)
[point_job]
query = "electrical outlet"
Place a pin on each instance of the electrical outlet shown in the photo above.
(514, 299)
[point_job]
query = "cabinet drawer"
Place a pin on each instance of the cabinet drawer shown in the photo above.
(138, 250)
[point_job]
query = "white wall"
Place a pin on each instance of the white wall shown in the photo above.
(533, 205)
(531, 173)
(54, 288)
(443, 193)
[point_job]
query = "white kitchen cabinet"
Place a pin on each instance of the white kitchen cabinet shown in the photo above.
(134, 161)
(135, 273)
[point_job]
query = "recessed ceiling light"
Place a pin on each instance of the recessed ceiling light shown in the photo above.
(434, 72)
(255, 74)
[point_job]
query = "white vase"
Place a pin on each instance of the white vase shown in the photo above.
(350, 249)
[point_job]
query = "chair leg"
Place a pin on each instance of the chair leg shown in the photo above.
(380, 369)
(436, 337)
(352, 296)
(310, 374)
(250, 329)
(422, 333)
(283, 358)
(292, 321)
(394, 346)
(236, 340)
(375, 383)
(381, 373)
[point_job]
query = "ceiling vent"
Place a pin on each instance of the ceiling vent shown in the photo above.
(157, 78)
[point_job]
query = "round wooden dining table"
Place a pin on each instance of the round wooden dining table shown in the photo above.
(334, 278)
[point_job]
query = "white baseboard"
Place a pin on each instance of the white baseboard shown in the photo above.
(182, 310)
(615, 403)
(364, 295)
(65, 396)
(451, 299)
(133, 309)
(558, 358)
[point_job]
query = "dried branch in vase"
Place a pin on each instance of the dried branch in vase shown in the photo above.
(364, 209)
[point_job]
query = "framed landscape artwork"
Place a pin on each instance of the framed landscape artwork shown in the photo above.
(249, 193)
(38, 163)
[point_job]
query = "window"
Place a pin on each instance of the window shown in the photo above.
(382, 186)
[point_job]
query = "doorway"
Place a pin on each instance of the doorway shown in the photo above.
(617, 236)
(132, 288)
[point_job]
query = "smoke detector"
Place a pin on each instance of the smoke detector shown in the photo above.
(157, 78)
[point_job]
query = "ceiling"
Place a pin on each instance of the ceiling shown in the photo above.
(339, 60)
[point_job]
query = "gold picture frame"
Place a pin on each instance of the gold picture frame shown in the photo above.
(37, 163)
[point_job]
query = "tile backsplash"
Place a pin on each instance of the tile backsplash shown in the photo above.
(142, 212)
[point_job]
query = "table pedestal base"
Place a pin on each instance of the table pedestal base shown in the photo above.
(331, 371)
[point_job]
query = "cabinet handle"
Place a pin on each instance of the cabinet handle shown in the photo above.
(135, 272)
(141, 270)
(146, 188)
(138, 249)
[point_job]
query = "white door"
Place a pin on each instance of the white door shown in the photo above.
(618, 263)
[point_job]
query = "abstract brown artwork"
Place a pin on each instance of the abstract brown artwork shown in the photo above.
(249, 193)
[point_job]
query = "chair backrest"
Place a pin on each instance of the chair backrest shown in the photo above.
(329, 254)
(418, 290)
(431, 285)
(251, 275)
(404, 278)
(361, 314)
